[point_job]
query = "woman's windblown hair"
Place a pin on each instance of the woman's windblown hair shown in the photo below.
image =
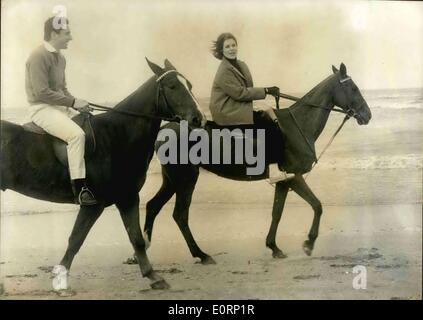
(217, 46)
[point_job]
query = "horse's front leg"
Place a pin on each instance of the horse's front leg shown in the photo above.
(86, 218)
(281, 192)
(129, 211)
(301, 188)
(153, 208)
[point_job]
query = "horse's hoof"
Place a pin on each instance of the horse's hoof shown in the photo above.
(160, 285)
(132, 260)
(279, 255)
(60, 280)
(307, 248)
(207, 260)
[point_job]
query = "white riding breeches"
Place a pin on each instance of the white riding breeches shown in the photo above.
(56, 120)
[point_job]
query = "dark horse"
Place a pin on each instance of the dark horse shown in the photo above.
(116, 171)
(338, 89)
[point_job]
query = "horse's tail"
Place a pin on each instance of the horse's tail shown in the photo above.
(9, 130)
(10, 136)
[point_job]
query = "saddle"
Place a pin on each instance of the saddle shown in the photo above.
(237, 132)
(59, 146)
(296, 156)
(237, 137)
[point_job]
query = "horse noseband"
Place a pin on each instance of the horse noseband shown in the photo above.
(350, 112)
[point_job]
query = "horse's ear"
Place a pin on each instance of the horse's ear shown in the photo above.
(334, 69)
(168, 65)
(158, 71)
(343, 70)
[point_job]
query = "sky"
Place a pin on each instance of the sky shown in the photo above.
(290, 44)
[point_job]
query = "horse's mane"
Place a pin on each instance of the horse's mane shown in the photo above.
(135, 93)
(310, 93)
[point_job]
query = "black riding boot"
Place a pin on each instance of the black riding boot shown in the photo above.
(83, 195)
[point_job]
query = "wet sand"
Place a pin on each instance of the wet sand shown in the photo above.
(386, 238)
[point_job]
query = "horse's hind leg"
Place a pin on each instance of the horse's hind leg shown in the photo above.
(86, 218)
(281, 192)
(301, 188)
(181, 213)
(129, 211)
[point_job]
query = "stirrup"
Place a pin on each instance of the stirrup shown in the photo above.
(86, 202)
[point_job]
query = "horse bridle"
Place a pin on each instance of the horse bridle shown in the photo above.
(166, 110)
(164, 113)
(350, 112)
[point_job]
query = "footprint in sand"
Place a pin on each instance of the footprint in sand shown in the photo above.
(65, 293)
(26, 275)
(171, 270)
(46, 269)
(307, 277)
(239, 272)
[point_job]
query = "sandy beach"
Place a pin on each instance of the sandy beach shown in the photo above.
(386, 238)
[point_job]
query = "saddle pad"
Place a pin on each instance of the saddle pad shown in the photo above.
(32, 127)
(59, 146)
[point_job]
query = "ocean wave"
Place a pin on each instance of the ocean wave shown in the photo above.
(398, 97)
(409, 161)
(400, 109)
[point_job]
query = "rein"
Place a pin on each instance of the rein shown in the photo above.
(99, 107)
(347, 117)
(348, 114)
(287, 96)
(303, 135)
(160, 92)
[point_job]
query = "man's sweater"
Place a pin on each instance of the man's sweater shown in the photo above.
(45, 80)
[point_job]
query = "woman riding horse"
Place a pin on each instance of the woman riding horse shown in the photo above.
(231, 101)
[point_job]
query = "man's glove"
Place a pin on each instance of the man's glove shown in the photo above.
(274, 91)
(81, 105)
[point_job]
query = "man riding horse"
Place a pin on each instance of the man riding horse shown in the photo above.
(52, 106)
